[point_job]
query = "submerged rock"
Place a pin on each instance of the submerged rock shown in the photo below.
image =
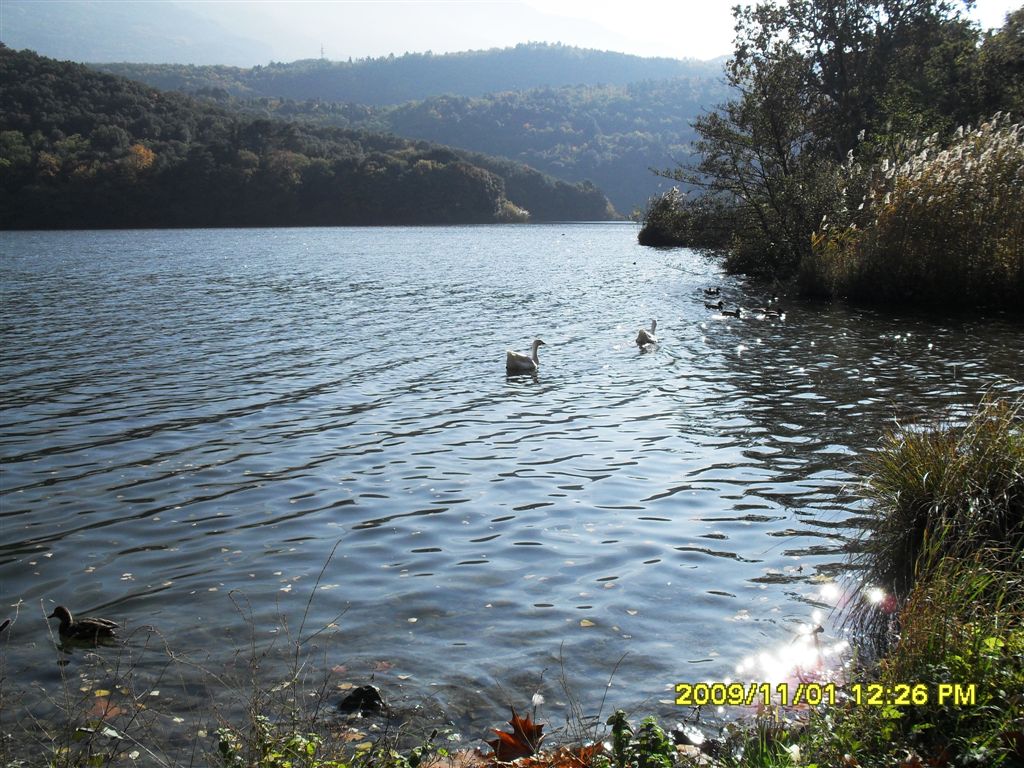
(364, 700)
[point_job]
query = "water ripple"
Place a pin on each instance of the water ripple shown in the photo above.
(188, 415)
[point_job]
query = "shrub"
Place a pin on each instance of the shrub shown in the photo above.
(927, 225)
(673, 219)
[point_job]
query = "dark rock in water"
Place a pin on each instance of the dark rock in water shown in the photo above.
(365, 699)
(688, 735)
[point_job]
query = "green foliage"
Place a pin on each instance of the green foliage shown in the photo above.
(930, 225)
(943, 491)
(672, 219)
(1000, 72)
(608, 134)
(809, 77)
(647, 747)
(82, 149)
(268, 747)
(963, 624)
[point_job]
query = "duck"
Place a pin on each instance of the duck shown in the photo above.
(645, 337)
(517, 362)
(86, 628)
(738, 312)
(766, 311)
(717, 306)
(712, 291)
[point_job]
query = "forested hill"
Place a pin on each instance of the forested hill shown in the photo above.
(619, 116)
(80, 148)
(609, 135)
(416, 76)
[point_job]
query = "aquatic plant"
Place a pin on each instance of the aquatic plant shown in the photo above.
(923, 223)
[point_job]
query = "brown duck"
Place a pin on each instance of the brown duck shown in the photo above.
(86, 628)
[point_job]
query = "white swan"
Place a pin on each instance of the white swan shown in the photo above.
(645, 337)
(517, 362)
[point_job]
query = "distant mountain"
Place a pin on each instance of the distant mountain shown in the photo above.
(416, 76)
(617, 117)
(80, 148)
(609, 135)
(92, 30)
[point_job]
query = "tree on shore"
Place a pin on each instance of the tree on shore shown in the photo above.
(813, 80)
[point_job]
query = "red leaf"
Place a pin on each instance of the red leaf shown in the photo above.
(524, 740)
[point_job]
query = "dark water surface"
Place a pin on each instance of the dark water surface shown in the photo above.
(192, 419)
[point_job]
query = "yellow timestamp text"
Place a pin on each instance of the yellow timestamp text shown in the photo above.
(813, 694)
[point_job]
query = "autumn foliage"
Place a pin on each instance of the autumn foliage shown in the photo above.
(523, 741)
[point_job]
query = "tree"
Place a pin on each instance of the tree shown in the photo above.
(809, 78)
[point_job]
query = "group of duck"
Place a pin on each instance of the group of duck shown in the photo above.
(712, 293)
(520, 362)
(86, 629)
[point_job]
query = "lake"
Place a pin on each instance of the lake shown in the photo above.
(192, 421)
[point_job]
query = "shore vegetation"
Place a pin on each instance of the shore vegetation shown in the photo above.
(847, 159)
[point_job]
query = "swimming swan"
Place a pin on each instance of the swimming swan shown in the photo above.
(517, 362)
(645, 337)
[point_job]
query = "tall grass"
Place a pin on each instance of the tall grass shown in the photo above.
(944, 491)
(929, 225)
(965, 625)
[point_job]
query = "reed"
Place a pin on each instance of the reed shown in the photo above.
(928, 225)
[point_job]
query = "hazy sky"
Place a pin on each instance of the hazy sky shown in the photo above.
(248, 32)
(677, 28)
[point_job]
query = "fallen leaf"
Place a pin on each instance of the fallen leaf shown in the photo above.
(464, 758)
(524, 740)
(564, 757)
(102, 708)
(586, 623)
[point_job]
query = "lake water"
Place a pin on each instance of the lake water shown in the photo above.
(193, 420)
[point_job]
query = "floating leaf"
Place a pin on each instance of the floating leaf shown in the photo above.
(586, 623)
(102, 708)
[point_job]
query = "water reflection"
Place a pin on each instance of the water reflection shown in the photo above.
(194, 419)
